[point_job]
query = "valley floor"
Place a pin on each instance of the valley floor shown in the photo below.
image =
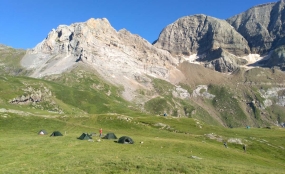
(187, 149)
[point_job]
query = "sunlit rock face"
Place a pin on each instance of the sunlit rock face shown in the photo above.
(215, 41)
(118, 56)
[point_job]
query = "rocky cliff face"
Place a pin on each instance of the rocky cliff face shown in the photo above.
(262, 26)
(276, 58)
(215, 43)
(120, 57)
(223, 61)
(210, 38)
(219, 46)
(199, 34)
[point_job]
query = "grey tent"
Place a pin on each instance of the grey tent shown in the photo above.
(110, 136)
(56, 133)
(125, 140)
(84, 136)
(42, 132)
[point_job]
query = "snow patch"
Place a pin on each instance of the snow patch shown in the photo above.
(253, 58)
(191, 59)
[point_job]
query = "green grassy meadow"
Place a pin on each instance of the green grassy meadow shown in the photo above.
(162, 151)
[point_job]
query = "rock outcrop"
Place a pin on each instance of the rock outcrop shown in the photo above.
(271, 95)
(222, 61)
(262, 26)
(33, 96)
(200, 34)
(277, 58)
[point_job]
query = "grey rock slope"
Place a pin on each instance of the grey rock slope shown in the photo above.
(223, 61)
(118, 56)
(263, 26)
(199, 34)
(277, 58)
(208, 37)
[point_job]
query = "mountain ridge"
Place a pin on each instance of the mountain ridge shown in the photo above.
(199, 66)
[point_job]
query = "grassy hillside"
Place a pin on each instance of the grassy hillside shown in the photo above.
(81, 91)
(167, 103)
(229, 107)
(10, 60)
(237, 101)
(75, 100)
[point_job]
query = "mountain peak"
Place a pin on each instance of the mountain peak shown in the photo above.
(198, 34)
(94, 23)
(121, 57)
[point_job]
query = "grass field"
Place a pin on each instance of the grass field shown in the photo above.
(180, 148)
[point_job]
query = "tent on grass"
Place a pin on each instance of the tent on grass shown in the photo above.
(125, 140)
(42, 132)
(84, 136)
(110, 136)
(56, 133)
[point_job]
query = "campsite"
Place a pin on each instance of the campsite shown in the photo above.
(145, 87)
(186, 148)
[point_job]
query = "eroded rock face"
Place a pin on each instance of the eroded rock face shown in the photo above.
(262, 26)
(118, 56)
(277, 58)
(222, 61)
(202, 90)
(33, 96)
(270, 94)
(180, 92)
(200, 34)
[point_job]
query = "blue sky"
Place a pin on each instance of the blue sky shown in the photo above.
(25, 23)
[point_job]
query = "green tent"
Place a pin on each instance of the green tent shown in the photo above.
(125, 140)
(110, 136)
(56, 133)
(42, 132)
(84, 136)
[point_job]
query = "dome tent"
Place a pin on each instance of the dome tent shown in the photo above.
(42, 132)
(125, 140)
(56, 133)
(110, 136)
(84, 136)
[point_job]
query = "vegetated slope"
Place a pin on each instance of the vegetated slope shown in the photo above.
(235, 100)
(10, 60)
(246, 97)
(77, 98)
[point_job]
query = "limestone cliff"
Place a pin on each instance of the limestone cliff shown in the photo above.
(262, 26)
(118, 56)
(205, 36)
(199, 34)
